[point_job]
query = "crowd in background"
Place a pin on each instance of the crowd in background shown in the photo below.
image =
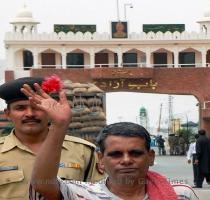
(177, 144)
(197, 151)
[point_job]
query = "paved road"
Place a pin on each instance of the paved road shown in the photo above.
(177, 169)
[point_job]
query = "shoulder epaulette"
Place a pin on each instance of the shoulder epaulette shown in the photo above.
(79, 140)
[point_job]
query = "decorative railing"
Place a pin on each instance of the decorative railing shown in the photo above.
(111, 65)
(105, 36)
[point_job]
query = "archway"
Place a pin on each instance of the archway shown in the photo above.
(189, 81)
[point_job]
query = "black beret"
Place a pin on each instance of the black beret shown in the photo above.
(10, 91)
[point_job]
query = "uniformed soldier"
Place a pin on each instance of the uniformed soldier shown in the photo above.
(176, 144)
(182, 145)
(18, 150)
(171, 142)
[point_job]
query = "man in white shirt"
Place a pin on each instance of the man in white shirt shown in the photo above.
(125, 155)
(191, 156)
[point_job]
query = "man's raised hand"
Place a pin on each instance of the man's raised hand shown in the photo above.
(59, 112)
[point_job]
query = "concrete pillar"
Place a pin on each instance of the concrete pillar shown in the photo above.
(203, 55)
(14, 28)
(35, 29)
(176, 59)
(111, 59)
(120, 60)
(119, 57)
(138, 58)
(92, 60)
(27, 28)
(148, 58)
(35, 56)
(63, 55)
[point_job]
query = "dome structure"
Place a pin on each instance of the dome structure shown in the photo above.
(206, 16)
(205, 22)
(142, 111)
(24, 21)
(24, 15)
(207, 13)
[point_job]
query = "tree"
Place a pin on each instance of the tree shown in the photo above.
(186, 134)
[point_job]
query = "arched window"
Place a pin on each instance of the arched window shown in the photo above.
(75, 60)
(28, 60)
(23, 29)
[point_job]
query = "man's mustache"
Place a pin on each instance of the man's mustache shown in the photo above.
(31, 120)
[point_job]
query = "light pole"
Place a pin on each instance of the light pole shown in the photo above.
(125, 6)
(187, 122)
(199, 114)
(118, 12)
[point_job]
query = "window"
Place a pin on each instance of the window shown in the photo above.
(129, 60)
(28, 60)
(187, 59)
(75, 60)
(160, 59)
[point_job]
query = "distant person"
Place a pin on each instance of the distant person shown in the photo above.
(161, 145)
(120, 30)
(191, 156)
(176, 145)
(171, 142)
(152, 142)
(203, 158)
(182, 145)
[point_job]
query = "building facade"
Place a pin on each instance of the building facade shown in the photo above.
(153, 62)
(26, 48)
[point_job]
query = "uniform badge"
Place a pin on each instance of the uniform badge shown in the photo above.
(61, 165)
(69, 165)
(8, 168)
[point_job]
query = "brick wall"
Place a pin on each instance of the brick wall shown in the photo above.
(183, 81)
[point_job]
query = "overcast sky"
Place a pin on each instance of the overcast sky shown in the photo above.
(101, 12)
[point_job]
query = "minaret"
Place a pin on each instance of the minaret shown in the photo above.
(143, 116)
(24, 22)
(205, 23)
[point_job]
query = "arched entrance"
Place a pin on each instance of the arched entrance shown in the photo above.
(189, 81)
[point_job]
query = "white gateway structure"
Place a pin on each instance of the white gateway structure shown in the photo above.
(26, 48)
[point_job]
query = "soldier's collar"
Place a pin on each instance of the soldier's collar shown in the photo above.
(65, 145)
(11, 141)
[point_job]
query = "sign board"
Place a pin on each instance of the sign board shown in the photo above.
(74, 28)
(119, 29)
(163, 28)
